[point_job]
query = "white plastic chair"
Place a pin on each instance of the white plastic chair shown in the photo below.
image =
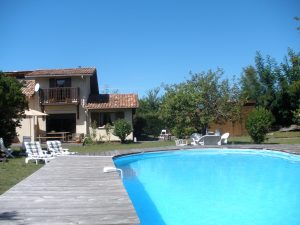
(195, 138)
(35, 152)
(8, 152)
(224, 139)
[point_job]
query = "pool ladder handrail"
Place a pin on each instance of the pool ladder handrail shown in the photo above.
(109, 169)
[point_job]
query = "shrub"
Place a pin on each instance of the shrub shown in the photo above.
(259, 124)
(108, 128)
(94, 131)
(87, 140)
(296, 118)
(122, 129)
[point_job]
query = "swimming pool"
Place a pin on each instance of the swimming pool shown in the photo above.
(213, 187)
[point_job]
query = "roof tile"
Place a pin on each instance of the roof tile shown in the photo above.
(28, 89)
(62, 72)
(112, 101)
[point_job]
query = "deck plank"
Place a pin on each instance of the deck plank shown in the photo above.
(69, 190)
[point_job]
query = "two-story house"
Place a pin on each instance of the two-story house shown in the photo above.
(71, 100)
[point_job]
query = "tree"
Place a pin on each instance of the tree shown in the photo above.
(250, 85)
(147, 120)
(12, 106)
(122, 129)
(190, 106)
(274, 87)
(267, 71)
(258, 124)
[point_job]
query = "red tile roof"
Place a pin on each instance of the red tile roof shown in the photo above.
(28, 89)
(113, 101)
(18, 74)
(62, 72)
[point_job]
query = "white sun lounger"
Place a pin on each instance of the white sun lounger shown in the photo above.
(56, 148)
(205, 140)
(35, 152)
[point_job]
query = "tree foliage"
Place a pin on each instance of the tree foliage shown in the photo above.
(12, 106)
(122, 129)
(258, 124)
(147, 119)
(190, 106)
(274, 86)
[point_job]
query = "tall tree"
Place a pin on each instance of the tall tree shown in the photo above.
(250, 85)
(12, 106)
(146, 120)
(288, 95)
(274, 87)
(267, 72)
(190, 106)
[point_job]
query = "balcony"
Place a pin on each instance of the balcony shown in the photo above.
(59, 96)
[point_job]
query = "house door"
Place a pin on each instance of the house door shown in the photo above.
(61, 122)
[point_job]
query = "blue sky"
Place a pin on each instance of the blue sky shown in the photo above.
(138, 44)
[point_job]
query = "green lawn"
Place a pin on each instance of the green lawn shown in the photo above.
(13, 171)
(277, 137)
(90, 149)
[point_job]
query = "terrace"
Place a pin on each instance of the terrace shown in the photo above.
(57, 96)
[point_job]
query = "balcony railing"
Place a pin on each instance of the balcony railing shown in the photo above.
(56, 96)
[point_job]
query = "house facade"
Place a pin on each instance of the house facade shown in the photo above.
(71, 100)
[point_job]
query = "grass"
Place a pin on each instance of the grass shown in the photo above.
(292, 137)
(13, 171)
(118, 146)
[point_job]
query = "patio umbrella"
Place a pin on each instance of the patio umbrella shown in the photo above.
(31, 113)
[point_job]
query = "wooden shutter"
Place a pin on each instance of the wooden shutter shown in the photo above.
(68, 82)
(52, 83)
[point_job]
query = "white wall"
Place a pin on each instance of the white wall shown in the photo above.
(101, 132)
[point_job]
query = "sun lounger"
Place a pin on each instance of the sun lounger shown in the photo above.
(224, 139)
(56, 148)
(35, 152)
(205, 140)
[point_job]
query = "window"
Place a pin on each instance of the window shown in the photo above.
(103, 118)
(62, 82)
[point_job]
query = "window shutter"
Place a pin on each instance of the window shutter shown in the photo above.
(52, 83)
(68, 82)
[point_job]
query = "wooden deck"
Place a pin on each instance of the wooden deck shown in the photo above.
(69, 190)
(74, 190)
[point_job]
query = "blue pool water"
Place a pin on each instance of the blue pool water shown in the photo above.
(213, 187)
